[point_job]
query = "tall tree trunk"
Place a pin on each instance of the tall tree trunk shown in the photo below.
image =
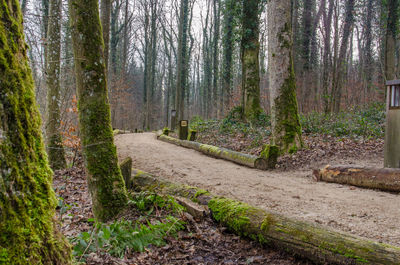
(341, 64)
(391, 35)
(369, 58)
(153, 58)
(106, 184)
(228, 43)
(147, 72)
(45, 25)
(126, 41)
(216, 93)
(55, 149)
(250, 50)
(28, 232)
(286, 129)
(307, 30)
(105, 10)
(327, 63)
(182, 53)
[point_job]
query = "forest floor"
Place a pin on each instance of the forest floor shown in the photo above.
(201, 242)
(289, 190)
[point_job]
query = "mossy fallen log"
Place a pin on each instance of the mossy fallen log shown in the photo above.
(314, 242)
(386, 179)
(218, 152)
(118, 132)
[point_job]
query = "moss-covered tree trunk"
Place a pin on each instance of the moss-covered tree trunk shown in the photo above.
(105, 181)
(250, 51)
(286, 129)
(28, 232)
(55, 150)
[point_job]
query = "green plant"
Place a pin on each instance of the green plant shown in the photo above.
(148, 201)
(119, 237)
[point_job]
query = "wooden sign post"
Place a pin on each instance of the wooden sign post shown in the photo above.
(392, 133)
(183, 129)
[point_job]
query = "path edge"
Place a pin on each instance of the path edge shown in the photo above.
(314, 242)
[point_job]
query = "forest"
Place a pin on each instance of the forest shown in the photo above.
(199, 132)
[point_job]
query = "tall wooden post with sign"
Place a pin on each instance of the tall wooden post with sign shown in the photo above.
(183, 129)
(392, 134)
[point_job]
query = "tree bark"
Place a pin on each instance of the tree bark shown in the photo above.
(228, 47)
(327, 62)
(105, 10)
(216, 37)
(55, 149)
(386, 179)
(182, 54)
(286, 128)
(28, 231)
(250, 49)
(391, 36)
(105, 181)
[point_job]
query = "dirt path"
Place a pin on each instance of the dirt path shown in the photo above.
(367, 213)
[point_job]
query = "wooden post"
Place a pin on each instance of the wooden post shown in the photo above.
(183, 129)
(392, 135)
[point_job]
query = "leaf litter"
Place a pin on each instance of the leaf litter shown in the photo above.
(201, 242)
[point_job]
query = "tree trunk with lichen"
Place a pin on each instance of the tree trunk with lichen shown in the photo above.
(105, 181)
(55, 149)
(286, 128)
(250, 49)
(28, 231)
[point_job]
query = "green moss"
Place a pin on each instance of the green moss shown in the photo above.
(165, 131)
(287, 132)
(344, 251)
(192, 135)
(232, 213)
(201, 192)
(209, 149)
(270, 153)
(267, 223)
(28, 231)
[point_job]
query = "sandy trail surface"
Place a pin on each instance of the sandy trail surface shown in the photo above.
(367, 213)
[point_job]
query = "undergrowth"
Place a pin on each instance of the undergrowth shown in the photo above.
(367, 122)
(123, 236)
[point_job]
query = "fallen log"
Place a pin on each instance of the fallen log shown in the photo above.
(314, 242)
(386, 179)
(218, 152)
